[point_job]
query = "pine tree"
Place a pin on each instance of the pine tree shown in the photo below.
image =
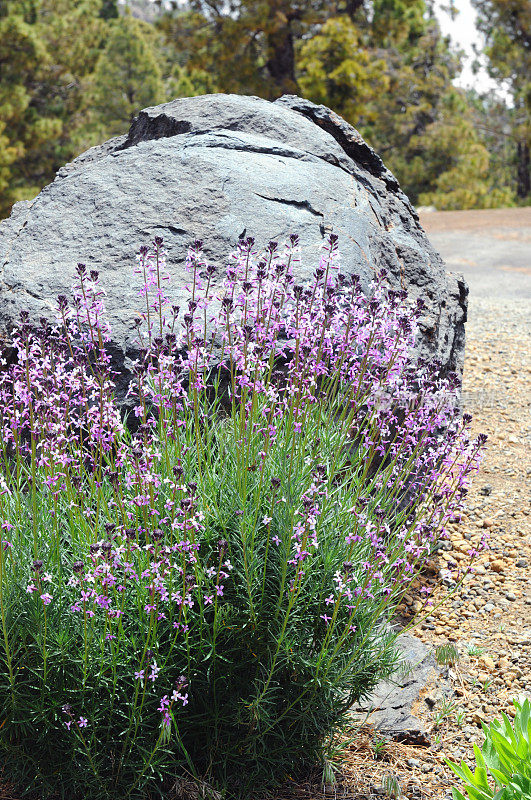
(381, 64)
(456, 165)
(335, 68)
(506, 25)
(388, 71)
(420, 68)
(47, 48)
(249, 45)
(29, 131)
(493, 118)
(72, 74)
(127, 76)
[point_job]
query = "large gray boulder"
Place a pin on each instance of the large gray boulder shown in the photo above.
(212, 168)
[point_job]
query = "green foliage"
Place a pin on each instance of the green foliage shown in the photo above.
(71, 75)
(338, 70)
(248, 46)
(456, 162)
(28, 132)
(391, 785)
(127, 76)
(506, 25)
(446, 710)
(39, 96)
(390, 76)
(209, 594)
(398, 24)
(265, 685)
(446, 654)
(74, 72)
(183, 82)
(504, 758)
(492, 119)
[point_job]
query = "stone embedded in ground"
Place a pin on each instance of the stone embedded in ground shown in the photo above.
(215, 167)
(390, 705)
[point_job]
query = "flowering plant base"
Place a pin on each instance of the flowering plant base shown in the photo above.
(205, 594)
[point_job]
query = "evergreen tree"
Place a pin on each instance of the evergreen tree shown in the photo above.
(250, 45)
(74, 72)
(47, 48)
(420, 67)
(381, 64)
(127, 76)
(29, 127)
(506, 25)
(493, 119)
(183, 82)
(338, 70)
(456, 165)
(74, 33)
(388, 71)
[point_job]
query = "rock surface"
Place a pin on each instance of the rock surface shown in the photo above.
(389, 707)
(215, 167)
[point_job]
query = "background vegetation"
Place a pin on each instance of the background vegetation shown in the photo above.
(74, 72)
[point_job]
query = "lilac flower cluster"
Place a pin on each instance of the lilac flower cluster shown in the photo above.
(290, 471)
(359, 364)
(61, 375)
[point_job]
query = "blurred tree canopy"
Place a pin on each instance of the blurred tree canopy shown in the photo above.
(47, 49)
(506, 25)
(127, 76)
(74, 72)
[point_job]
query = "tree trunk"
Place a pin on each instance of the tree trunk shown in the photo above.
(280, 51)
(523, 175)
(352, 7)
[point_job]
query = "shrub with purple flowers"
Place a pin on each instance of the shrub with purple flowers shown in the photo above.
(202, 589)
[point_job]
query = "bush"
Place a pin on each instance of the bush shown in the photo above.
(202, 592)
(505, 758)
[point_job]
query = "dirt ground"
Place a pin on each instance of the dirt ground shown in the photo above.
(491, 248)
(481, 219)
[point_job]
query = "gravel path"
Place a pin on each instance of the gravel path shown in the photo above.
(489, 617)
(491, 248)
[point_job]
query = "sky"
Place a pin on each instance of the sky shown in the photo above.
(464, 34)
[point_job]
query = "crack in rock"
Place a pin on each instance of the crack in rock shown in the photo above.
(345, 135)
(305, 204)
